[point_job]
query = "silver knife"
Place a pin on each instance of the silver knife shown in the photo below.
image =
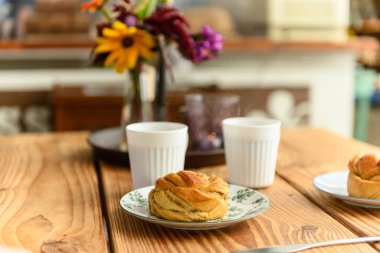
(299, 247)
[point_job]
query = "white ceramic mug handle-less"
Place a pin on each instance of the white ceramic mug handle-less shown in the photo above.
(251, 150)
(155, 149)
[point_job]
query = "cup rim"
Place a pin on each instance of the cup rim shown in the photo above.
(251, 122)
(176, 127)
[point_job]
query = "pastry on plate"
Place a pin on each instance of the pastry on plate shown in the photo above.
(189, 196)
(364, 177)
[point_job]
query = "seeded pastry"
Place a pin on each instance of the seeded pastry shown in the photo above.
(189, 196)
(364, 177)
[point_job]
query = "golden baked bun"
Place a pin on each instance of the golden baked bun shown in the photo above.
(189, 196)
(364, 177)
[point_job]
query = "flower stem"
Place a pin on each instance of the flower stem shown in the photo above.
(160, 88)
(135, 96)
(105, 13)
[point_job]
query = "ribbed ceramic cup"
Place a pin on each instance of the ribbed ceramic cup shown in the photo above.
(155, 149)
(251, 147)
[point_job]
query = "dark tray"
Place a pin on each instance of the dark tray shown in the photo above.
(105, 145)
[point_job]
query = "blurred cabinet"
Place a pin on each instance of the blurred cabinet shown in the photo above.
(312, 20)
(56, 21)
(290, 105)
(86, 108)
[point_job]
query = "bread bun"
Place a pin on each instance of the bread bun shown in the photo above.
(364, 177)
(189, 196)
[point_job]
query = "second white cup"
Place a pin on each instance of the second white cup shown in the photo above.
(155, 149)
(251, 147)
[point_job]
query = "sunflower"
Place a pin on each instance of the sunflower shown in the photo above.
(124, 45)
(92, 5)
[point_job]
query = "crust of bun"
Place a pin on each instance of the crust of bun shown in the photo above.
(189, 196)
(364, 177)
(362, 188)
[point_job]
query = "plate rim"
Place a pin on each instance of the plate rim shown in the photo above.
(374, 202)
(199, 223)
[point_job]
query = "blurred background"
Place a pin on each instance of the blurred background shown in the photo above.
(311, 63)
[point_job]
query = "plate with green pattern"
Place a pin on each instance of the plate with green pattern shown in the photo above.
(243, 203)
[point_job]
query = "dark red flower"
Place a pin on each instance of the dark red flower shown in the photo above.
(100, 27)
(171, 23)
(98, 59)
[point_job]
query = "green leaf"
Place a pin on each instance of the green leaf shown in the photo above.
(145, 8)
(168, 2)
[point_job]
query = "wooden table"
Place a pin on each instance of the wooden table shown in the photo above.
(53, 199)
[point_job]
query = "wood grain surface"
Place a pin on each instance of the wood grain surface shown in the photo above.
(49, 198)
(307, 153)
(292, 218)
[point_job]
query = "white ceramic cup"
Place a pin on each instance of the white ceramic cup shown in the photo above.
(155, 149)
(251, 147)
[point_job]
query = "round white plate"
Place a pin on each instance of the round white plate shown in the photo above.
(335, 184)
(243, 203)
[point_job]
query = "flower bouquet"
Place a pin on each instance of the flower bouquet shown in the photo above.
(138, 32)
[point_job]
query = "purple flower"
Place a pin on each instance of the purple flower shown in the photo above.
(130, 20)
(208, 43)
(125, 16)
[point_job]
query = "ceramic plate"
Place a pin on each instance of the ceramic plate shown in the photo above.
(335, 184)
(243, 203)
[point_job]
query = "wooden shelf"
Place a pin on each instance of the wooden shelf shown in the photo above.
(229, 44)
(16, 44)
(266, 44)
(370, 27)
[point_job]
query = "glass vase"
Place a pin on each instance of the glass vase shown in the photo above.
(138, 101)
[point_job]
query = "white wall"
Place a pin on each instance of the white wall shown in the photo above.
(45, 79)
